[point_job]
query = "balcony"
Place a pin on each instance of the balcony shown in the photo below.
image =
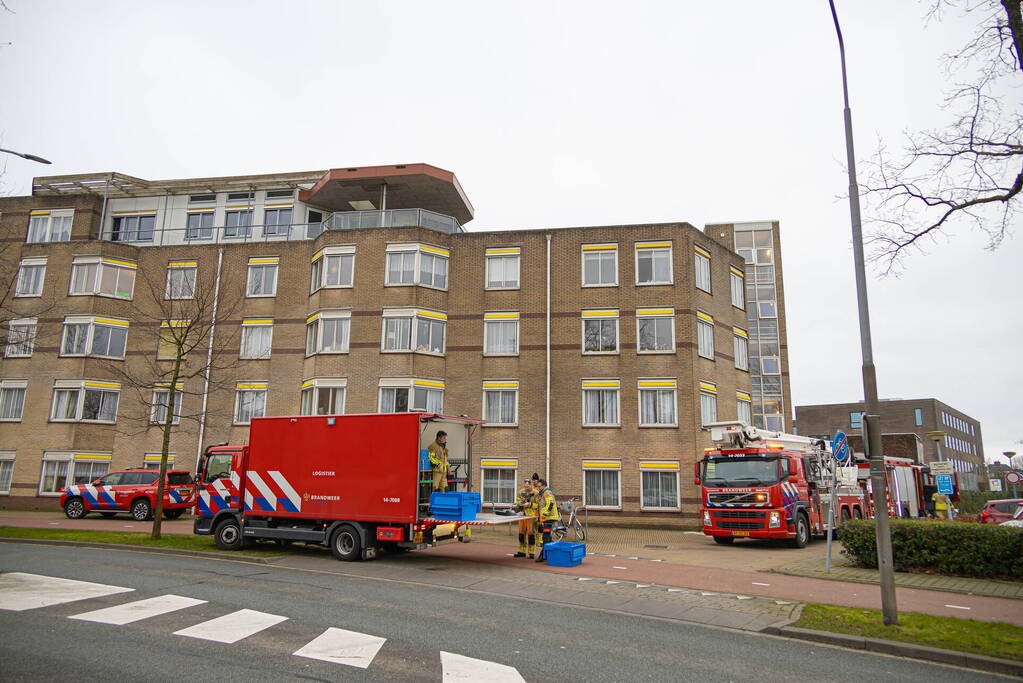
(392, 218)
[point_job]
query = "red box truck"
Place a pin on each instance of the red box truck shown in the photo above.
(349, 482)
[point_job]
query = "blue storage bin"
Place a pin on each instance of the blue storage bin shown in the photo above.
(424, 459)
(564, 554)
(456, 506)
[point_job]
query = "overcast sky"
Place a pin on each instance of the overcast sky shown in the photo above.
(554, 114)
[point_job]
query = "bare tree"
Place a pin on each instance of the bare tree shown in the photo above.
(185, 319)
(969, 173)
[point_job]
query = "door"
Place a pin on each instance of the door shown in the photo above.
(104, 491)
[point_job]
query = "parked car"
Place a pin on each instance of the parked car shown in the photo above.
(1017, 519)
(998, 511)
(131, 490)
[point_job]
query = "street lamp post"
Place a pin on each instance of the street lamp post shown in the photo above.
(872, 420)
(937, 436)
(25, 155)
(1008, 456)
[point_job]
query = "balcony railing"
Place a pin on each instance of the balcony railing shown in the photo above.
(391, 218)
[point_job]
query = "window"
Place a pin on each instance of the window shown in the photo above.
(333, 267)
(394, 399)
(403, 395)
(856, 420)
(237, 222)
(657, 403)
(31, 272)
(257, 336)
(755, 246)
(85, 401)
(655, 330)
(327, 332)
(87, 336)
(241, 196)
(93, 275)
(740, 348)
(602, 484)
(417, 264)
(705, 335)
(500, 402)
(249, 401)
(202, 198)
(180, 280)
(85, 469)
(20, 338)
(158, 411)
(918, 417)
(174, 336)
(767, 309)
(262, 280)
(770, 366)
(659, 485)
(6, 471)
(277, 219)
(133, 227)
(501, 334)
(738, 287)
(199, 225)
(708, 403)
(151, 461)
(499, 482)
(600, 403)
(702, 269)
(743, 408)
(600, 265)
(54, 475)
(600, 331)
(324, 396)
(12, 399)
(50, 225)
(414, 330)
(280, 194)
(503, 268)
(653, 263)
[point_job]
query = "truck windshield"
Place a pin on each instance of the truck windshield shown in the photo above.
(218, 466)
(754, 470)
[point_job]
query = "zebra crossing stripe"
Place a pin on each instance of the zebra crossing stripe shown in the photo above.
(232, 627)
(343, 647)
(460, 668)
(131, 612)
(20, 591)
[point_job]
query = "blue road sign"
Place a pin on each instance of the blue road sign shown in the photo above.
(840, 447)
(945, 484)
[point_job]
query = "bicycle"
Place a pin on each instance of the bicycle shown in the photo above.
(561, 528)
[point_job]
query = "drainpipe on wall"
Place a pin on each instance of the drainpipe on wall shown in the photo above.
(209, 359)
(547, 401)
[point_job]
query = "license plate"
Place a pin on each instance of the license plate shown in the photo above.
(740, 533)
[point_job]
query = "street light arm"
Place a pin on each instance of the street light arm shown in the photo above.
(25, 155)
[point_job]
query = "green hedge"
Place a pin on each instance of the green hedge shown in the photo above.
(960, 549)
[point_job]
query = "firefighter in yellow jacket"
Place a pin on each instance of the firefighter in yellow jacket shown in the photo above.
(548, 514)
(526, 503)
(438, 452)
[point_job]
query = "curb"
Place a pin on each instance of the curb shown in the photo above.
(966, 660)
(825, 577)
(137, 548)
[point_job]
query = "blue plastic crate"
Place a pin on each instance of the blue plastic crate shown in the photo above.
(564, 554)
(457, 506)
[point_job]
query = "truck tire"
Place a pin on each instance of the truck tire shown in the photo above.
(74, 508)
(857, 514)
(724, 540)
(141, 510)
(345, 544)
(802, 532)
(228, 535)
(845, 515)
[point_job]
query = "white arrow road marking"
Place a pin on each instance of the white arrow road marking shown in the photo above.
(957, 607)
(459, 668)
(343, 647)
(19, 591)
(232, 627)
(128, 613)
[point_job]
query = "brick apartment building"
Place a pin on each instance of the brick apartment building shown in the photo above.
(358, 290)
(961, 443)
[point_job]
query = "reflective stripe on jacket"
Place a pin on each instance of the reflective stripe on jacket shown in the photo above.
(438, 456)
(526, 500)
(548, 506)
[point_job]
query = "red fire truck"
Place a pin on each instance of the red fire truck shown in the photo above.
(763, 484)
(350, 482)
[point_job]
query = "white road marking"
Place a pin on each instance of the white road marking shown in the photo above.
(343, 647)
(744, 597)
(631, 558)
(957, 607)
(232, 627)
(782, 602)
(128, 613)
(584, 578)
(606, 583)
(619, 567)
(459, 668)
(760, 584)
(674, 590)
(19, 591)
(53, 523)
(706, 593)
(642, 585)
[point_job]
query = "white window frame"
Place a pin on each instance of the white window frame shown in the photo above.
(71, 460)
(708, 390)
(265, 325)
(656, 386)
(278, 228)
(738, 283)
(156, 408)
(763, 367)
(248, 388)
(499, 465)
(314, 331)
(91, 323)
(130, 228)
(48, 218)
(704, 335)
(414, 316)
(7, 458)
(740, 348)
(601, 315)
(261, 264)
(746, 400)
(151, 461)
(501, 318)
(654, 314)
(312, 388)
(503, 254)
(243, 229)
(24, 266)
(602, 385)
(416, 388)
(419, 250)
(120, 269)
(500, 386)
(701, 270)
(21, 332)
(655, 247)
(319, 270)
(611, 248)
(602, 466)
(204, 229)
(180, 269)
(83, 387)
(660, 467)
(14, 385)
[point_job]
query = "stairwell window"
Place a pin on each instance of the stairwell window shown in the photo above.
(85, 401)
(503, 267)
(101, 276)
(257, 338)
(708, 403)
(333, 267)
(249, 401)
(12, 399)
(601, 403)
(181, 280)
(653, 263)
(327, 332)
(31, 273)
(21, 336)
(262, 276)
(90, 336)
(705, 335)
(50, 225)
(702, 268)
(417, 264)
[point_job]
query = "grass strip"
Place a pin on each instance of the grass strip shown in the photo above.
(179, 541)
(993, 639)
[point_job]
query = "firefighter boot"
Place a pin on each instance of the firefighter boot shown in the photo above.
(532, 545)
(522, 546)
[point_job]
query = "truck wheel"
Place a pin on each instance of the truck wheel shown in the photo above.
(802, 532)
(228, 535)
(723, 540)
(74, 508)
(141, 510)
(857, 514)
(845, 516)
(346, 544)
